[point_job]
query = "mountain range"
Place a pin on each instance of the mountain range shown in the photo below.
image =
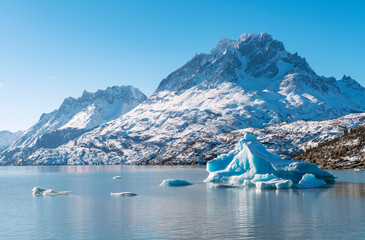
(74, 118)
(251, 83)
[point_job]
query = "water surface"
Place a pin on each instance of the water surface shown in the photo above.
(190, 212)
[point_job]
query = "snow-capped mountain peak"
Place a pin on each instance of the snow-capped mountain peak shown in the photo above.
(249, 82)
(257, 56)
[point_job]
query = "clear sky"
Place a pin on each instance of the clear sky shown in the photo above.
(50, 50)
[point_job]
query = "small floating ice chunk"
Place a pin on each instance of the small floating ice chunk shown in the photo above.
(175, 182)
(310, 181)
(124, 194)
(51, 193)
(117, 177)
(37, 191)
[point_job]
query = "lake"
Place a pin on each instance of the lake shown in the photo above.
(160, 212)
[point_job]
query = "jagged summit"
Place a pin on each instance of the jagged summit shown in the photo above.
(256, 37)
(349, 82)
(251, 56)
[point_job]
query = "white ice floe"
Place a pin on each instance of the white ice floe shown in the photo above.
(250, 164)
(175, 182)
(117, 177)
(51, 193)
(124, 194)
(37, 191)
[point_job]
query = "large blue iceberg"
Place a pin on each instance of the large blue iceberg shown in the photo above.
(250, 164)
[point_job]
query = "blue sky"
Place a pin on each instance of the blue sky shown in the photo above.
(50, 50)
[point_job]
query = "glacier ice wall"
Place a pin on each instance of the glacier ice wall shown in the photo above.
(250, 164)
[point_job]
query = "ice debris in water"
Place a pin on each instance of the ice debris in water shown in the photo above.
(117, 177)
(37, 191)
(124, 194)
(250, 164)
(175, 182)
(51, 192)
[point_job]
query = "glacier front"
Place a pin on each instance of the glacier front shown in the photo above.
(250, 164)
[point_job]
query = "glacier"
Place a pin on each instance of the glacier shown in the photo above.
(250, 164)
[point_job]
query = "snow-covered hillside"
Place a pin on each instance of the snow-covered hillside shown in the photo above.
(73, 118)
(7, 138)
(251, 82)
(285, 139)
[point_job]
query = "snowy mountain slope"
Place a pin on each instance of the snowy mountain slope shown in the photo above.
(7, 138)
(73, 118)
(251, 82)
(285, 139)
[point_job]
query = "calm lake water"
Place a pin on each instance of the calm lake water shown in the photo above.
(191, 212)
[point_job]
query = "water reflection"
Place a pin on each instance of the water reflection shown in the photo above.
(192, 212)
(349, 190)
(290, 213)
